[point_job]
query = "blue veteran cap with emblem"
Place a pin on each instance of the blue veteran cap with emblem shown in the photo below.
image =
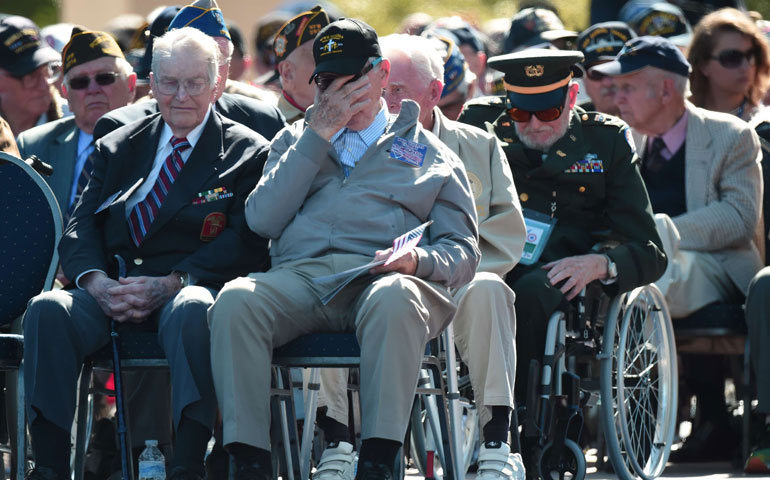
(647, 51)
(344, 46)
(658, 18)
(204, 15)
(537, 78)
(603, 41)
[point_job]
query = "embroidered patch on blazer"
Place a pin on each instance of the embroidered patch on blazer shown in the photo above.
(212, 195)
(213, 225)
(589, 164)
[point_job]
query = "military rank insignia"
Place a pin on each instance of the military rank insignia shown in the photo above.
(589, 164)
(212, 195)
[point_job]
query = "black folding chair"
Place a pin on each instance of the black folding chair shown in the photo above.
(30, 229)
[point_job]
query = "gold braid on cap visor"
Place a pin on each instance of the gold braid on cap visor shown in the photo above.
(536, 90)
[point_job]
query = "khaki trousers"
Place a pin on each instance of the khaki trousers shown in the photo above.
(692, 279)
(485, 334)
(393, 316)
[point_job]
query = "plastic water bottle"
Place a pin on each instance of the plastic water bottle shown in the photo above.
(152, 464)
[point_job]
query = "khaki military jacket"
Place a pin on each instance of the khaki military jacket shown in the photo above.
(501, 223)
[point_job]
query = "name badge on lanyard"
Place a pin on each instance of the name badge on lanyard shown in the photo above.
(539, 229)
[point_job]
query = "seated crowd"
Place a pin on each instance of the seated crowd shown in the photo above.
(210, 196)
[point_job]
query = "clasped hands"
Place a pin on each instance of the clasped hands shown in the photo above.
(130, 299)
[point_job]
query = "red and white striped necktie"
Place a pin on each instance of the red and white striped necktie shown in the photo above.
(144, 212)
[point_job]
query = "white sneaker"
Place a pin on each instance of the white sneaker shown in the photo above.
(499, 463)
(338, 463)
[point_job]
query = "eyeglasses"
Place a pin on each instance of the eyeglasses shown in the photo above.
(193, 86)
(547, 115)
(50, 72)
(323, 80)
(734, 58)
(82, 82)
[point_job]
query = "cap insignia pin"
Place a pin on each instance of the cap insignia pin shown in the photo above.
(534, 70)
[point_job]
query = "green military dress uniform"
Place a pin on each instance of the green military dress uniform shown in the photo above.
(592, 177)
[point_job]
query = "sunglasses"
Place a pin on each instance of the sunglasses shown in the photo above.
(547, 115)
(323, 80)
(735, 58)
(592, 74)
(103, 79)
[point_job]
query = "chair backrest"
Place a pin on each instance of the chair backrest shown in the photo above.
(30, 229)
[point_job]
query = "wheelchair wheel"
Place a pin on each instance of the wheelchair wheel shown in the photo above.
(425, 427)
(639, 384)
(569, 464)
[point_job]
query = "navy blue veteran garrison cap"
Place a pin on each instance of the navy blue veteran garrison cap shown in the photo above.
(603, 41)
(647, 51)
(204, 15)
(21, 51)
(537, 78)
(344, 46)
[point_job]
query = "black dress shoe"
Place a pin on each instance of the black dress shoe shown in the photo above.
(181, 473)
(217, 464)
(252, 471)
(368, 470)
(41, 473)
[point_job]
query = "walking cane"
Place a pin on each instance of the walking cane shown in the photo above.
(126, 458)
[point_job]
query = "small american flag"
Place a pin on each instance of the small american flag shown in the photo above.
(406, 242)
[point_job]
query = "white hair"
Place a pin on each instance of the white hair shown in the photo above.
(421, 52)
(186, 39)
(681, 83)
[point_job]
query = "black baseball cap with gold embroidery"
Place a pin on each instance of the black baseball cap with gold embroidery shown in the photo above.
(85, 45)
(344, 46)
(297, 31)
(21, 51)
(537, 78)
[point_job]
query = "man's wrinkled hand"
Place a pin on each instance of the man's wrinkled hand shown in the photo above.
(406, 264)
(135, 298)
(97, 284)
(335, 106)
(576, 272)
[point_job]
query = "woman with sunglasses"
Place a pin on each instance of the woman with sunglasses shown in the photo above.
(730, 60)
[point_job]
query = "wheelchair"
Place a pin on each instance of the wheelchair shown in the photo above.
(631, 337)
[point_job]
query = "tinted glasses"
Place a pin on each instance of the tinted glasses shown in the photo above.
(547, 115)
(50, 72)
(734, 58)
(82, 82)
(323, 79)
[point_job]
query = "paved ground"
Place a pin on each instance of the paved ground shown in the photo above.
(700, 471)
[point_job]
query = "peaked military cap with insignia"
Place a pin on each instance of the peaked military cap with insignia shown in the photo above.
(85, 45)
(537, 79)
(299, 30)
(204, 15)
(344, 46)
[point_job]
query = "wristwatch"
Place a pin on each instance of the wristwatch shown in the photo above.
(184, 278)
(612, 269)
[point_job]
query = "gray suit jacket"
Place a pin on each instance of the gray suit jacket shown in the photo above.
(54, 143)
(723, 188)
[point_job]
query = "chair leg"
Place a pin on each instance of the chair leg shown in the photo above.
(82, 419)
(20, 456)
(746, 420)
(308, 429)
(285, 429)
(453, 399)
(449, 463)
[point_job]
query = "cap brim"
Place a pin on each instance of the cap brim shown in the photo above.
(616, 68)
(30, 63)
(551, 35)
(340, 66)
(539, 101)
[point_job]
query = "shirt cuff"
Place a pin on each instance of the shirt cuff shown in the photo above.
(77, 280)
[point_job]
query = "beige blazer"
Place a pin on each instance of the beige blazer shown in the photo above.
(501, 223)
(723, 188)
